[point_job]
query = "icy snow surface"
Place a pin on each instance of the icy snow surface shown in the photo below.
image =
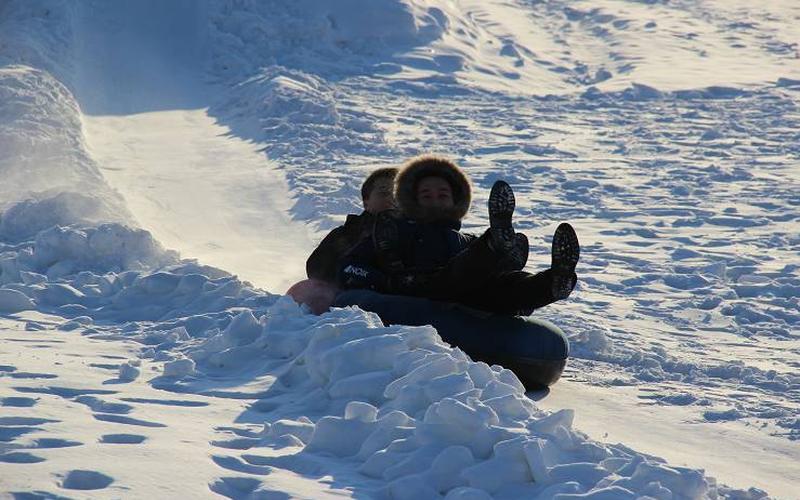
(148, 150)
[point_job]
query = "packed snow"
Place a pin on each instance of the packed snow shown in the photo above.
(166, 168)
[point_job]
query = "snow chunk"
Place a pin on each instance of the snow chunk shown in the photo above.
(243, 329)
(297, 429)
(129, 370)
(179, 368)
(44, 155)
(12, 301)
(507, 465)
(339, 436)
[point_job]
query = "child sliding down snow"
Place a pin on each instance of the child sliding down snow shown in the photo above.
(420, 250)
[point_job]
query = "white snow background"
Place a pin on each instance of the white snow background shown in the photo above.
(164, 164)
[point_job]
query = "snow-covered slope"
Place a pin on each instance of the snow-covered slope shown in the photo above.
(665, 131)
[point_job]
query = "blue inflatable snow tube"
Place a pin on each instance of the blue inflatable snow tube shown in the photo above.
(535, 350)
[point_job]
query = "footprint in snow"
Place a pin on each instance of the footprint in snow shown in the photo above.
(240, 431)
(105, 366)
(242, 439)
(166, 402)
(27, 375)
(8, 434)
(86, 480)
(235, 487)
(8, 421)
(236, 444)
(35, 495)
(100, 406)
(18, 457)
(122, 439)
(45, 443)
(119, 419)
(112, 356)
(18, 402)
(245, 487)
(238, 465)
(64, 392)
(13, 427)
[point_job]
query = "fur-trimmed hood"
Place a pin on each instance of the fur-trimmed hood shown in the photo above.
(405, 188)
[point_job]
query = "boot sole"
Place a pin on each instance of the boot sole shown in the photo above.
(520, 251)
(501, 205)
(565, 255)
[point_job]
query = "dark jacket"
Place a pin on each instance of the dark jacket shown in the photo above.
(325, 261)
(424, 248)
(428, 239)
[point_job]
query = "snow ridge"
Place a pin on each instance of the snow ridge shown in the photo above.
(415, 414)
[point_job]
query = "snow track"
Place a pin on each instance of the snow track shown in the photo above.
(211, 196)
(199, 189)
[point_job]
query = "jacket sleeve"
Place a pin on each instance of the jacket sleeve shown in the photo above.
(468, 239)
(323, 262)
(359, 269)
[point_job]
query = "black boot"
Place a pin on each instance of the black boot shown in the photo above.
(386, 238)
(565, 254)
(517, 257)
(501, 209)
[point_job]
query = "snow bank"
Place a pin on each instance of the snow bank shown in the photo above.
(57, 251)
(314, 33)
(23, 220)
(318, 141)
(37, 34)
(420, 416)
(12, 301)
(108, 271)
(44, 152)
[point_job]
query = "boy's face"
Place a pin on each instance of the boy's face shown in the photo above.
(434, 192)
(381, 197)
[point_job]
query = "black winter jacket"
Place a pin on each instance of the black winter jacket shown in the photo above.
(325, 261)
(424, 247)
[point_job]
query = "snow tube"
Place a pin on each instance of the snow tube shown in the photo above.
(316, 294)
(535, 350)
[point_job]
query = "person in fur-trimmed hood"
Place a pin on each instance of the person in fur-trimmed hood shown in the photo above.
(418, 190)
(421, 251)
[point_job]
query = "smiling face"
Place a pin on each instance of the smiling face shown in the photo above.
(381, 197)
(434, 192)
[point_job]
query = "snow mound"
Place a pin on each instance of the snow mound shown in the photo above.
(41, 134)
(61, 251)
(42, 143)
(418, 415)
(114, 272)
(36, 34)
(26, 218)
(306, 33)
(12, 301)
(298, 116)
(29, 100)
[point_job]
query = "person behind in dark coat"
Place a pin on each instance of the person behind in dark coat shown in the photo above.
(377, 194)
(420, 250)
